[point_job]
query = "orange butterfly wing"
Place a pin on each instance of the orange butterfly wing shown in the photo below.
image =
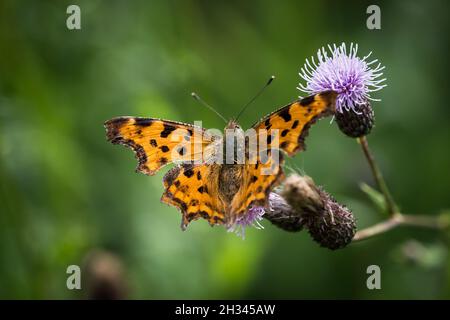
(258, 180)
(284, 129)
(193, 190)
(157, 142)
(293, 121)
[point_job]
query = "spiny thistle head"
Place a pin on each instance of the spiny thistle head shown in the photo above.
(358, 122)
(302, 204)
(333, 227)
(353, 78)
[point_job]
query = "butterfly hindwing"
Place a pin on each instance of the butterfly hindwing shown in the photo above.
(258, 180)
(193, 190)
(292, 122)
(157, 142)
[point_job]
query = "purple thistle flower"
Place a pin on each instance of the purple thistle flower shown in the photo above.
(351, 77)
(252, 218)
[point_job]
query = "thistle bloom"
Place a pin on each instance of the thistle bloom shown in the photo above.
(252, 218)
(351, 77)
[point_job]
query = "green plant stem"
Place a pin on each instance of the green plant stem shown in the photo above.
(398, 219)
(381, 183)
(395, 219)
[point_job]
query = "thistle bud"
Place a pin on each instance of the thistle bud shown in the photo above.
(302, 204)
(333, 227)
(283, 215)
(356, 122)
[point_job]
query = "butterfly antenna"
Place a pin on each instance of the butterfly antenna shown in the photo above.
(255, 97)
(196, 97)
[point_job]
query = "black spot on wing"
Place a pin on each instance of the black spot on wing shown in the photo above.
(153, 143)
(188, 173)
(117, 122)
(306, 101)
(204, 214)
(168, 128)
(193, 203)
(164, 148)
(284, 113)
(284, 132)
(295, 124)
(284, 144)
(143, 122)
(191, 216)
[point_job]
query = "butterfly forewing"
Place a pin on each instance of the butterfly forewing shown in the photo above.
(284, 129)
(289, 125)
(158, 142)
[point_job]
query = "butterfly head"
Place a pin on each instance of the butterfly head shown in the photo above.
(233, 125)
(233, 142)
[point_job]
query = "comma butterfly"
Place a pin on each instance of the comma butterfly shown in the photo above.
(201, 185)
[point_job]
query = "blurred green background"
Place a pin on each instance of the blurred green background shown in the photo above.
(69, 197)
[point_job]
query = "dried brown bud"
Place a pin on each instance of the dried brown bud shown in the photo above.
(302, 204)
(283, 215)
(301, 193)
(333, 227)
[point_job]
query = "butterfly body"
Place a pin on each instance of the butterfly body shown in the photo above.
(219, 178)
(230, 180)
